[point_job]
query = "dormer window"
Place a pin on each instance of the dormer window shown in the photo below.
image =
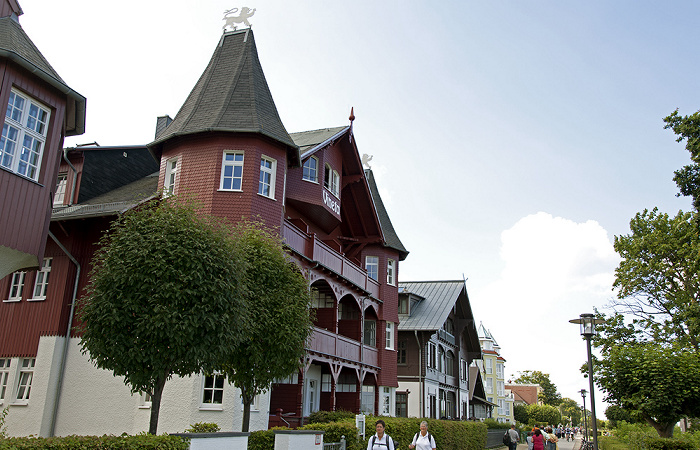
(331, 180)
(23, 135)
(310, 171)
(403, 305)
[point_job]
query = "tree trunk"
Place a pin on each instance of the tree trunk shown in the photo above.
(247, 400)
(155, 406)
(665, 429)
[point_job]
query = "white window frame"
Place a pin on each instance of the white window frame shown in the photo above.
(24, 380)
(390, 335)
(432, 355)
(28, 123)
(488, 366)
(41, 281)
(385, 403)
(172, 167)
(500, 389)
(254, 406)
(499, 369)
(310, 173)
(236, 174)
(267, 177)
(326, 382)
(331, 180)
(372, 267)
(404, 301)
(212, 405)
(5, 364)
(59, 196)
(145, 400)
(16, 286)
(391, 272)
(489, 385)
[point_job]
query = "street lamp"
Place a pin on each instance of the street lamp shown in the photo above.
(583, 415)
(588, 324)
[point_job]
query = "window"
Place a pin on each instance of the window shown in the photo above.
(370, 334)
(232, 172)
(16, 286)
(432, 355)
(489, 385)
(499, 369)
(170, 177)
(59, 195)
(403, 305)
(254, 405)
(390, 335)
(441, 360)
(346, 383)
(501, 407)
(24, 385)
(501, 389)
(291, 379)
(450, 363)
(326, 382)
(401, 351)
(42, 280)
(367, 399)
(331, 180)
(488, 364)
(449, 326)
(25, 125)
(391, 272)
(321, 299)
(310, 170)
(372, 267)
(385, 408)
(145, 400)
(268, 167)
(463, 370)
(4, 373)
(401, 404)
(213, 391)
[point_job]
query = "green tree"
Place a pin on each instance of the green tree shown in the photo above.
(571, 409)
(164, 297)
(543, 414)
(615, 414)
(687, 178)
(279, 301)
(549, 394)
(649, 344)
(520, 413)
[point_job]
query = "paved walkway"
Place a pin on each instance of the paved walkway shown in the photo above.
(573, 444)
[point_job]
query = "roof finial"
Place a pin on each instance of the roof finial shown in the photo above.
(352, 114)
(231, 21)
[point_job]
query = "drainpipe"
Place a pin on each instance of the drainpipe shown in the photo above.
(420, 374)
(62, 365)
(75, 180)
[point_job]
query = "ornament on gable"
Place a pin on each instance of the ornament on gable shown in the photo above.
(366, 159)
(242, 18)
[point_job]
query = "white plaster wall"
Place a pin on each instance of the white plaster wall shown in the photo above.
(94, 402)
(413, 397)
(314, 373)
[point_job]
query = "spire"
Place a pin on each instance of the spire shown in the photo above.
(231, 95)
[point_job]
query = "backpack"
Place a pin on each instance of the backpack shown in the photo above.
(389, 440)
(428, 435)
(506, 438)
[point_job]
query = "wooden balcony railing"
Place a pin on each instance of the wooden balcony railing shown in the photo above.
(314, 249)
(329, 343)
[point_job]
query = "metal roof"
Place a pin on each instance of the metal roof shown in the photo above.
(438, 299)
(313, 140)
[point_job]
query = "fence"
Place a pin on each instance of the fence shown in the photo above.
(335, 445)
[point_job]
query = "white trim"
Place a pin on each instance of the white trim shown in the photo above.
(171, 176)
(303, 169)
(234, 164)
(44, 275)
(265, 172)
(212, 406)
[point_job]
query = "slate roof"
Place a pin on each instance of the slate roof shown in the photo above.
(231, 95)
(310, 141)
(438, 299)
(16, 46)
(113, 202)
(390, 237)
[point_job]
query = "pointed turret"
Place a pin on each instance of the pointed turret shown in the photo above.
(231, 96)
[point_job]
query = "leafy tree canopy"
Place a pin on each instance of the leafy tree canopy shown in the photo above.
(520, 414)
(571, 409)
(164, 297)
(649, 344)
(549, 394)
(543, 414)
(278, 302)
(688, 178)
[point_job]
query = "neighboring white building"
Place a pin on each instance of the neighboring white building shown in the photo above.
(492, 367)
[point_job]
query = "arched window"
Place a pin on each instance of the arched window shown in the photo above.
(441, 360)
(450, 363)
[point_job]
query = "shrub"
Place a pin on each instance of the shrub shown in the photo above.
(203, 427)
(263, 439)
(449, 434)
(139, 442)
(493, 423)
(330, 416)
(334, 430)
(3, 414)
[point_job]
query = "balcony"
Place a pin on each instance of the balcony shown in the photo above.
(312, 248)
(326, 342)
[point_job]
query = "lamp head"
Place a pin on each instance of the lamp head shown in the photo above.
(588, 324)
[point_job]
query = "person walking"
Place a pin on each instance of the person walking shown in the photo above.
(551, 439)
(530, 444)
(423, 440)
(514, 437)
(381, 440)
(537, 440)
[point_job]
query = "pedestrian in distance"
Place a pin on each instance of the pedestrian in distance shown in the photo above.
(514, 437)
(551, 440)
(423, 440)
(381, 440)
(530, 444)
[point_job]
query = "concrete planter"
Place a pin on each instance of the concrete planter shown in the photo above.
(298, 439)
(216, 441)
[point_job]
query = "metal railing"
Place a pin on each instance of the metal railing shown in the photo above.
(335, 445)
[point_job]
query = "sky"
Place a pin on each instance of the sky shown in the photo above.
(511, 140)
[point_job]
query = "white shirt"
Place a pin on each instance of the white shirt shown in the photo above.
(385, 443)
(423, 443)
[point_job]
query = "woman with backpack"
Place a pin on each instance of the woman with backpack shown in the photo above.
(423, 440)
(381, 440)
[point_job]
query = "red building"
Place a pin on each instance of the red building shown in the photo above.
(40, 110)
(227, 145)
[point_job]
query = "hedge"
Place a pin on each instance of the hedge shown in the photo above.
(138, 442)
(449, 434)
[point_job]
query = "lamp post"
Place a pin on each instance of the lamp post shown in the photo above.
(583, 415)
(588, 324)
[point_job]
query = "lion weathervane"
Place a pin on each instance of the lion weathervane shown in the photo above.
(242, 18)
